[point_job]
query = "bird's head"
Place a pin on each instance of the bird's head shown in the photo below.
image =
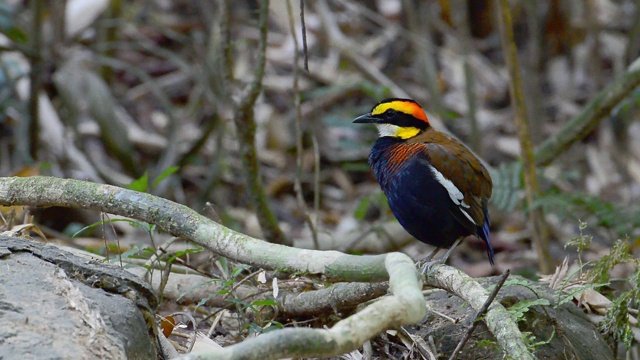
(399, 118)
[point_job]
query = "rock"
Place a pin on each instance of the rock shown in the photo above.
(56, 305)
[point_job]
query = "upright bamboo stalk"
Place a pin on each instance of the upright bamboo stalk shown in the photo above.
(536, 220)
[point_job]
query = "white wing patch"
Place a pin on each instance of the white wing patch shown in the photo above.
(454, 193)
(468, 216)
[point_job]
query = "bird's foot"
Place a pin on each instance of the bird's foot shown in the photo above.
(425, 264)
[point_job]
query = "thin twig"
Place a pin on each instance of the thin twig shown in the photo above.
(305, 50)
(633, 49)
(480, 314)
(593, 42)
(246, 128)
(109, 34)
(115, 233)
(255, 86)
(462, 25)
(533, 67)
(166, 270)
(215, 322)
(239, 283)
(316, 177)
(224, 61)
(423, 36)
(422, 346)
(420, 34)
(226, 22)
(532, 189)
(298, 126)
(104, 238)
(35, 79)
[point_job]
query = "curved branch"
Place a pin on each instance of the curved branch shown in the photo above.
(181, 221)
(403, 307)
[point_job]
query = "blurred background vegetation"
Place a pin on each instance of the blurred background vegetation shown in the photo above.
(169, 97)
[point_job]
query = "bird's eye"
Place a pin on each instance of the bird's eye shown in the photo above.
(390, 113)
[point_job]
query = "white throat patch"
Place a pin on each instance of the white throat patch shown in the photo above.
(398, 131)
(387, 129)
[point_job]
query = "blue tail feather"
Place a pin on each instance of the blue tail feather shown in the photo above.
(485, 236)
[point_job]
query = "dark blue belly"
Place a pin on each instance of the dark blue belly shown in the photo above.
(422, 206)
(419, 202)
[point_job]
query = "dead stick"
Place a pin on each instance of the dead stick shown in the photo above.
(480, 314)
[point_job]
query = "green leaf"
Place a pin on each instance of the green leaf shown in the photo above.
(518, 309)
(16, 35)
(530, 340)
(601, 269)
(164, 175)
(616, 321)
(254, 328)
(238, 270)
(132, 253)
(382, 201)
(180, 253)
(570, 294)
(203, 301)
(265, 302)
(514, 282)
(623, 220)
(8, 24)
(141, 184)
(274, 326)
(361, 209)
(507, 185)
(487, 344)
(224, 266)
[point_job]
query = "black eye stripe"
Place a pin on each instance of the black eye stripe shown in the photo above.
(399, 118)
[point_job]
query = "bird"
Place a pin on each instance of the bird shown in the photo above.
(436, 187)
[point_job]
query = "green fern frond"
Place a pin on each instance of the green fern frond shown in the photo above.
(507, 185)
(600, 213)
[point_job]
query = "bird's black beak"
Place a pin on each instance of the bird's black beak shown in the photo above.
(365, 119)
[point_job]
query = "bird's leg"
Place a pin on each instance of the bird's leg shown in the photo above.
(427, 262)
(428, 258)
(446, 256)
